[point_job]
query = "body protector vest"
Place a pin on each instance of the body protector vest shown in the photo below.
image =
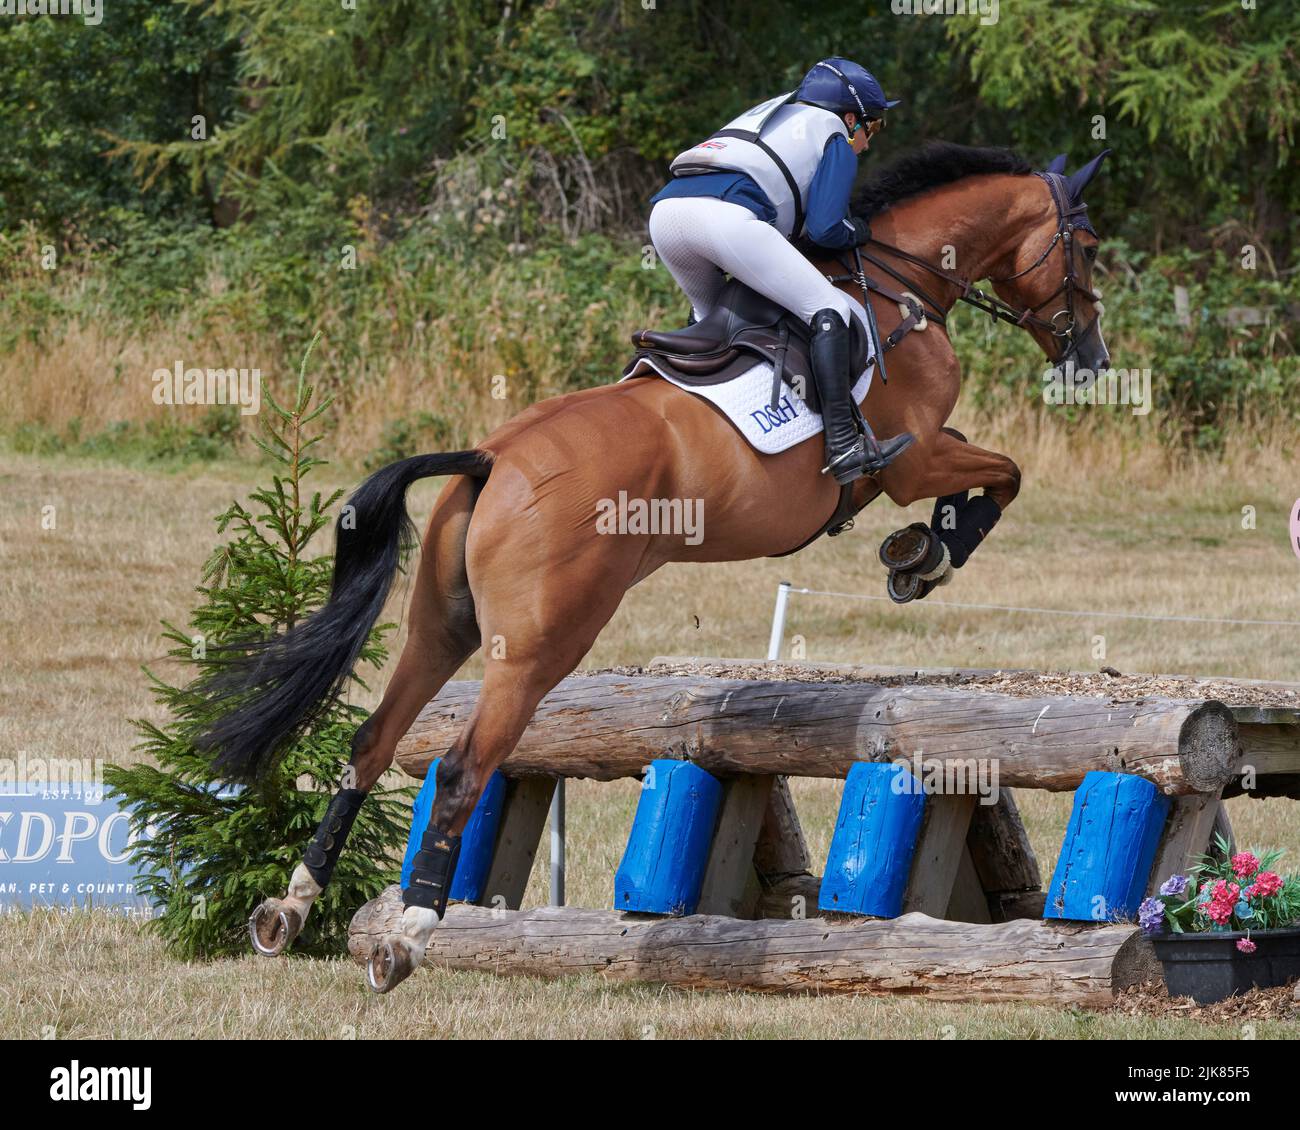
(779, 144)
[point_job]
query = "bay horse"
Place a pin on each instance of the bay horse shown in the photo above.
(513, 558)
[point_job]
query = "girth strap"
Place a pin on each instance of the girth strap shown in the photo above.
(778, 367)
(839, 522)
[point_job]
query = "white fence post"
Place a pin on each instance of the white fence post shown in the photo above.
(557, 844)
(778, 621)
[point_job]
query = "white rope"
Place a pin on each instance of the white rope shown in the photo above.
(1058, 611)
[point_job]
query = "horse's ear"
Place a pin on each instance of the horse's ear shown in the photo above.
(1079, 179)
(1056, 164)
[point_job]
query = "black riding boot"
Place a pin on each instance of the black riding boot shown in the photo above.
(849, 454)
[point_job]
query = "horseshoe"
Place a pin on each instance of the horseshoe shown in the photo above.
(282, 923)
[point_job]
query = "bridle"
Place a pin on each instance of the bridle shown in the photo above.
(1069, 217)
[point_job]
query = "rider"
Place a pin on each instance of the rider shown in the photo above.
(779, 171)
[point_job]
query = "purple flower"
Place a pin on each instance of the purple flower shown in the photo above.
(1174, 885)
(1151, 915)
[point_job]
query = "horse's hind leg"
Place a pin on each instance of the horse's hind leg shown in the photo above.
(441, 634)
(536, 627)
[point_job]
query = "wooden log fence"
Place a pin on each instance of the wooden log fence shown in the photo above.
(970, 918)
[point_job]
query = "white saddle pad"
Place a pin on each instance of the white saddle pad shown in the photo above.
(747, 403)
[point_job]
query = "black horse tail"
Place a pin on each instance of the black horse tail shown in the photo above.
(278, 686)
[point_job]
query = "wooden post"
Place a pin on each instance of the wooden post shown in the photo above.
(939, 849)
(1222, 828)
(730, 884)
(1004, 860)
(1193, 823)
(781, 849)
(523, 816)
(968, 902)
(782, 866)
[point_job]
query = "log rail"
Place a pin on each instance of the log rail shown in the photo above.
(611, 726)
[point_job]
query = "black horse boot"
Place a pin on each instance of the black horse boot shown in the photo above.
(849, 454)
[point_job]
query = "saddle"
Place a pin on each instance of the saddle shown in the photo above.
(743, 329)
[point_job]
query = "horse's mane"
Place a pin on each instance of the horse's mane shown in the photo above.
(935, 163)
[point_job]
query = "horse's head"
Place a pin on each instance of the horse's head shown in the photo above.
(1052, 276)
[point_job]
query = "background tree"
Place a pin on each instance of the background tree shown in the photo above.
(216, 851)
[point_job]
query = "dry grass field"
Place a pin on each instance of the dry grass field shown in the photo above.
(1103, 525)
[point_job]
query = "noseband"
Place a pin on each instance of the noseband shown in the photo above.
(1069, 216)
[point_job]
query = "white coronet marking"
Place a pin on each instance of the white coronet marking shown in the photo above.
(302, 887)
(418, 923)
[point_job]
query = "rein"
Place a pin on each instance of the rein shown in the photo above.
(1068, 216)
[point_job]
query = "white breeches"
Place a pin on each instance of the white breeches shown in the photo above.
(699, 237)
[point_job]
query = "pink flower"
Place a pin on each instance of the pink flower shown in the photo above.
(1223, 899)
(1244, 865)
(1218, 913)
(1246, 945)
(1220, 888)
(1266, 883)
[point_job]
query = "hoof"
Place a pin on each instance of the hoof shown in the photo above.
(273, 926)
(913, 550)
(391, 962)
(904, 588)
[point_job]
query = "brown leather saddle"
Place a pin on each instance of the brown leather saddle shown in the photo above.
(741, 330)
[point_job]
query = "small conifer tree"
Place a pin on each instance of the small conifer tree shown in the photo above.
(211, 851)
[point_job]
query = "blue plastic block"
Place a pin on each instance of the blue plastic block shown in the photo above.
(476, 842)
(667, 850)
(874, 841)
(1110, 845)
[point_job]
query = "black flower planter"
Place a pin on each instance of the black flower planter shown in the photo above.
(1209, 967)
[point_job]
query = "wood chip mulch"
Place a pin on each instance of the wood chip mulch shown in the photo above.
(1020, 684)
(1258, 1004)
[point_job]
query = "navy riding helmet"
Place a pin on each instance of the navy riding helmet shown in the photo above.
(841, 85)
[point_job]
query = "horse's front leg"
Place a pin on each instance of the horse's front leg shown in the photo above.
(920, 557)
